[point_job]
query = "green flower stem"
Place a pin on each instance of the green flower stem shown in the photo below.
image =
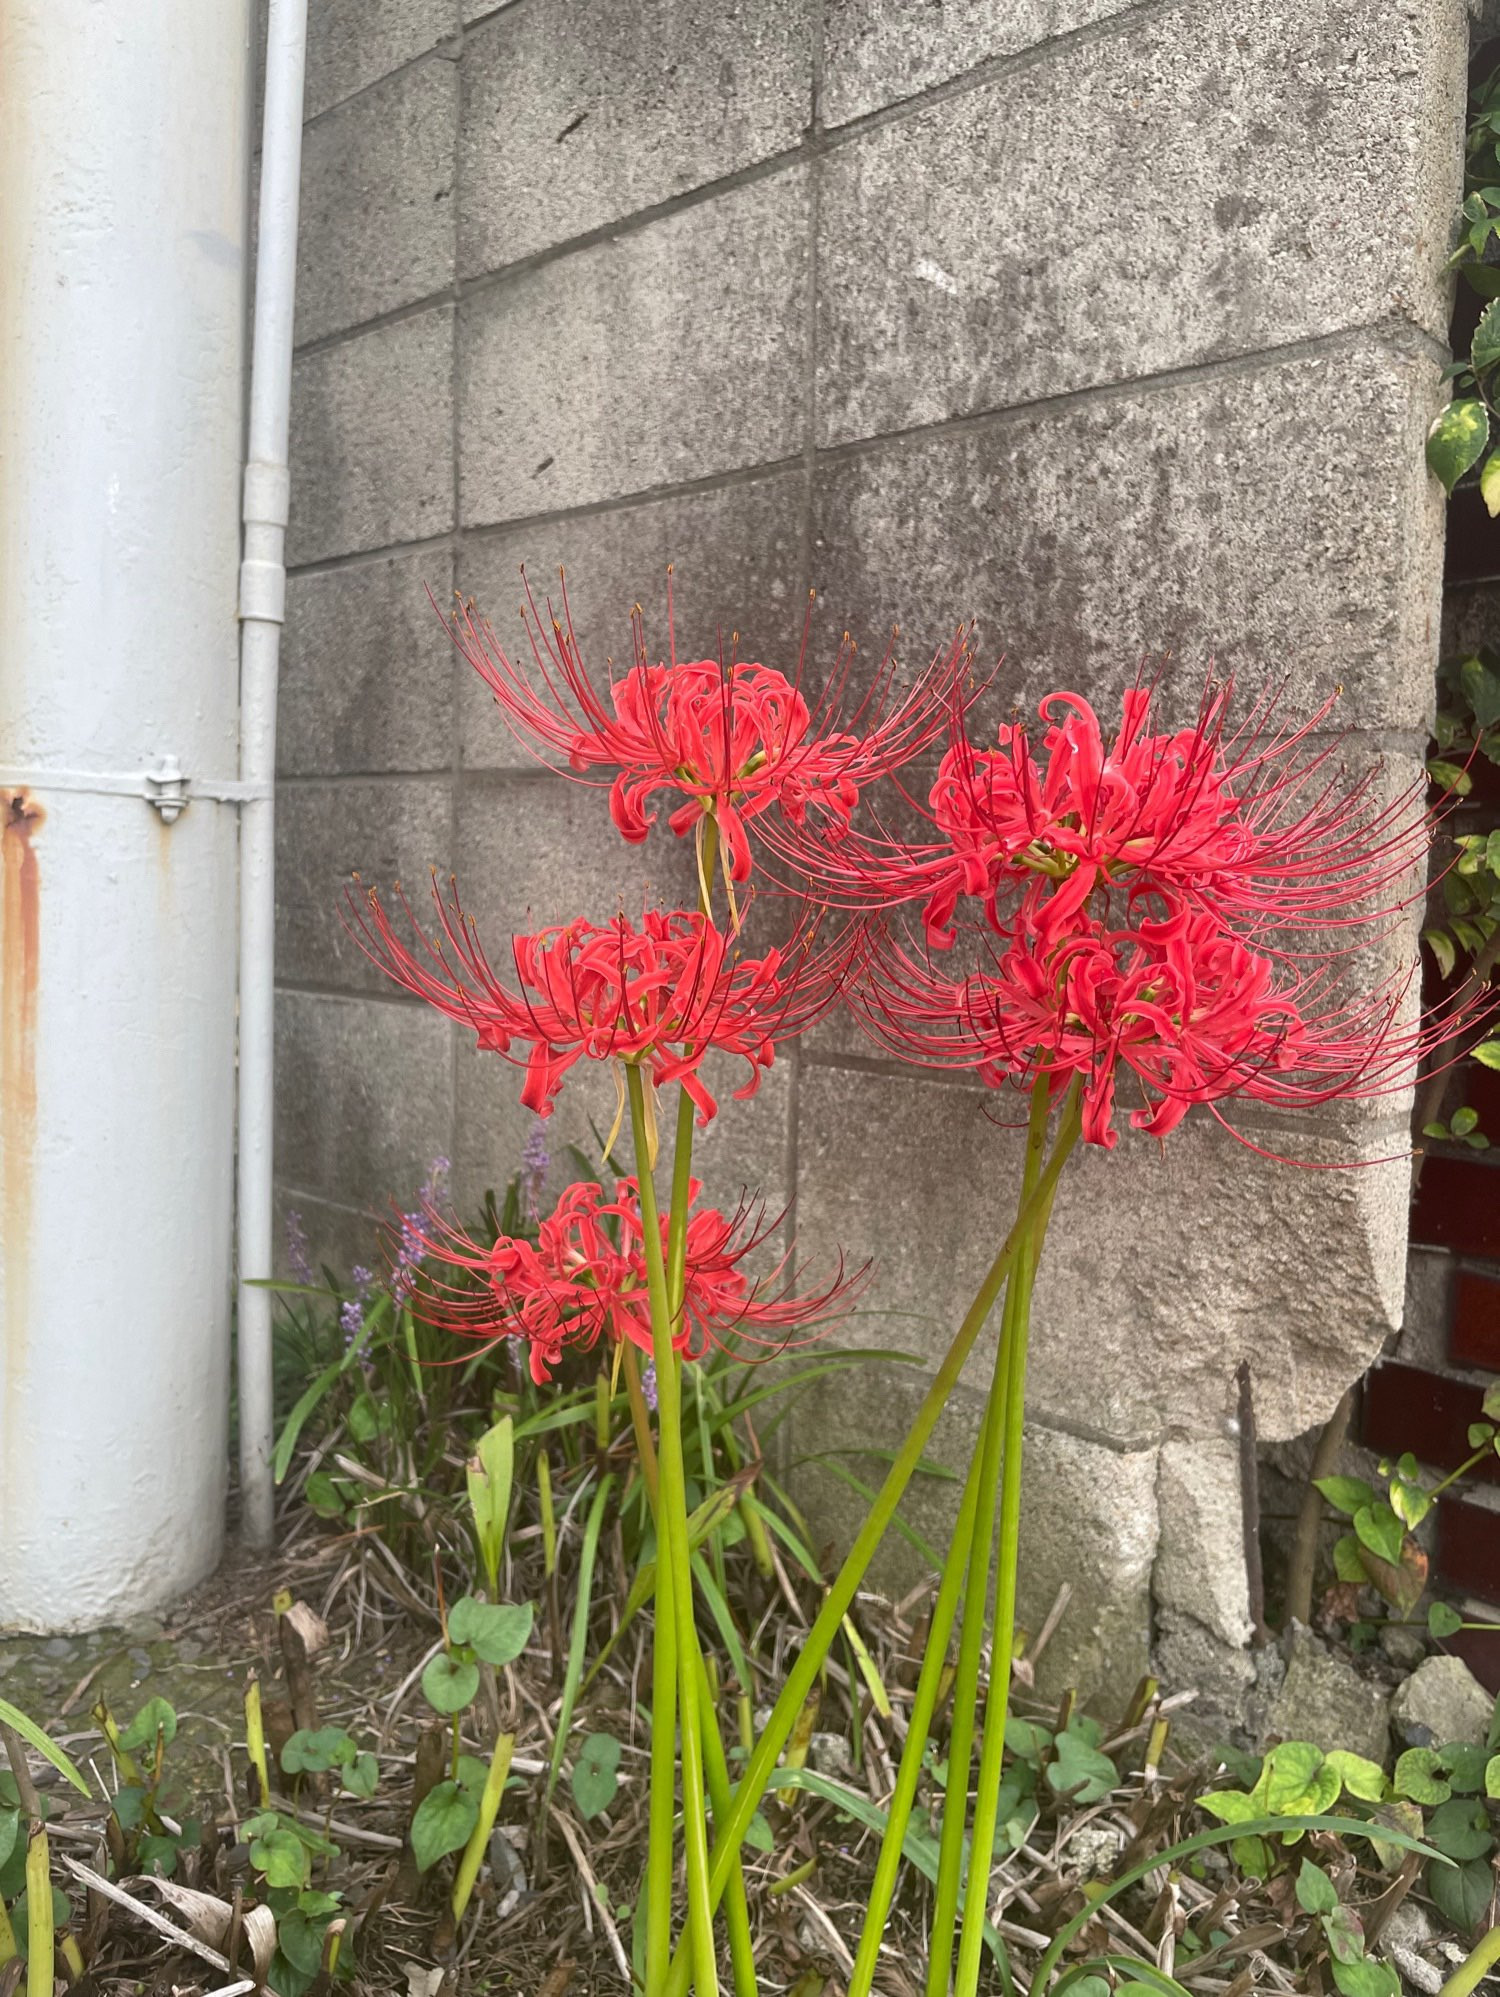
(736, 1906)
(924, 1705)
(979, 1554)
(974, 1559)
(479, 1837)
(803, 1674)
(674, 1601)
(40, 1952)
(1479, 1961)
(1002, 1651)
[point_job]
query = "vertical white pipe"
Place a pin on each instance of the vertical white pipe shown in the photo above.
(262, 608)
(123, 158)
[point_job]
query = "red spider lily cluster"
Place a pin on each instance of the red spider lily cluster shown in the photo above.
(584, 1281)
(733, 739)
(1129, 903)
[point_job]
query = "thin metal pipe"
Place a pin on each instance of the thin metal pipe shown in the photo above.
(262, 611)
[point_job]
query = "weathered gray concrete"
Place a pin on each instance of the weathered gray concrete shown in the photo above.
(1115, 324)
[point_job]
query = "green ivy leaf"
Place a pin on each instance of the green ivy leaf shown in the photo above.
(1440, 943)
(496, 1631)
(449, 1683)
(1419, 1776)
(1411, 1502)
(1448, 776)
(362, 1776)
(1443, 1621)
(10, 1830)
(1487, 1053)
(324, 1496)
(158, 1855)
(1481, 683)
(1378, 1528)
(1347, 1564)
(281, 1856)
(1346, 1937)
(1234, 1806)
(1461, 1893)
(312, 1750)
(1078, 1770)
(596, 1774)
(1484, 348)
(1346, 1494)
(442, 1824)
(156, 1716)
(1315, 1891)
(1362, 1778)
(1363, 1977)
(301, 1941)
(1466, 1766)
(1461, 1829)
(1458, 435)
(1464, 1120)
(1492, 1777)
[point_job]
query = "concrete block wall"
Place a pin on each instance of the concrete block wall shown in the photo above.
(1115, 326)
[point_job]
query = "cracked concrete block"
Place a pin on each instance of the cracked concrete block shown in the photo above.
(376, 227)
(353, 43)
(1200, 1571)
(656, 358)
(875, 55)
(372, 440)
(1164, 562)
(363, 1097)
(1265, 178)
(387, 830)
(578, 113)
(1164, 1265)
(367, 674)
(738, 558)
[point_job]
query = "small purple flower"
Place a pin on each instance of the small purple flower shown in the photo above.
(351, 1319)
(363, 1280)
(535, 1161)
(648, 1385)
(298, 1254)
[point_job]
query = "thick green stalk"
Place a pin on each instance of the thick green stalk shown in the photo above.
(977, 1583)
(673, 1558)
(736, 1906)
(924, 1705)
(974, 1561)
(1002, 1649)
(803, 1674)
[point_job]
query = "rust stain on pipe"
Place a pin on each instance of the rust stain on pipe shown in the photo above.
(20, 968)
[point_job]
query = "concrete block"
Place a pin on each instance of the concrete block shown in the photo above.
(367, 674)
(372, 440)
(1429, 1294)
(1200, 1570)
(660, 358)
(1088, 1516)
(1258, 178)
(1328, 1700)
(363, 1097)
(578, 113)
(1192, 526)
(340, 1237)
(738, 556)
(1471, 616)
(377, 216)
(393, 830)
(875, 55)
(353, 43)
(1164, 1266)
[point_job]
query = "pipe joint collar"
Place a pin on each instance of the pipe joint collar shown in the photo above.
(268, 494)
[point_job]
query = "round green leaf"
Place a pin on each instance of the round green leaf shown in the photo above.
(496, 1631)
(1443, 1621)
(156, 1716)
(1487, 1053)
(596, 1774)
(1461, 1893)
(1346, 1494)
(442, 1824)
(449, 1683)
(312, 1750)
(1461, 1829)
(362, 1776)
(1458, 436)
(1315, 1890)
(301, 1941)
(1377, 1527)
(10, 1830)
(1362, 1778)
(1080, 1771)
(1419, 1776)
(281, 1856)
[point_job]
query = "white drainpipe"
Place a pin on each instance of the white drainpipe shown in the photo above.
(123, 159)
(262, 608)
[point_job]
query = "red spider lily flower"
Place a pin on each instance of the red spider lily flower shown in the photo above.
(1249, 823)
(584, 1280)
(657, 997)
(731, 739)
(1194, 1012)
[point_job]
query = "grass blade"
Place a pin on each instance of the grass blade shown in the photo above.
(580, 1632)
